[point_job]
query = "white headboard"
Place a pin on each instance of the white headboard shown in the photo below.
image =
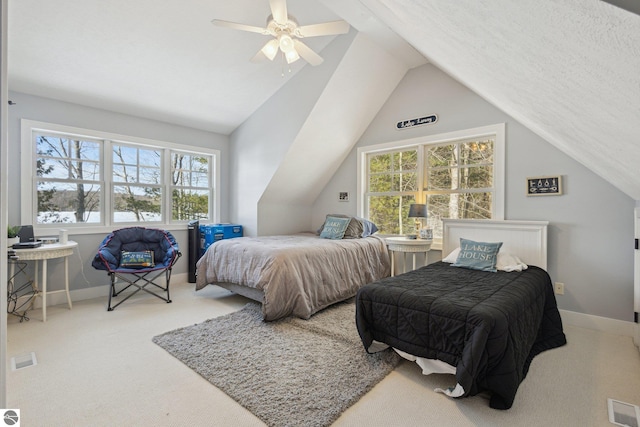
(525, 239)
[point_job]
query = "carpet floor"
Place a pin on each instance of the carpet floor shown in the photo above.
(290, 372)
(98, 368)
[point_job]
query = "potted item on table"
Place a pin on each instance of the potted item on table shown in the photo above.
(12, 235)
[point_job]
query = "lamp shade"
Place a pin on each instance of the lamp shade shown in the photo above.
(417, 210)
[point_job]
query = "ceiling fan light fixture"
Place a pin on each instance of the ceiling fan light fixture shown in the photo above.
(286, 43)
(286, 34)
(291, 56)
(270, 49)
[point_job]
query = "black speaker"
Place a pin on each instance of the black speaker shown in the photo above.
(194, 248)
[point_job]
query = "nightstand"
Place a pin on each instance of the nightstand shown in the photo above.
(404, 245)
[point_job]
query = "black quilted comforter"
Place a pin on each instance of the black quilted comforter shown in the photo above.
(488, 325)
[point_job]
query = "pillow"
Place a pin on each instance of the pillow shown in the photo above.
(477, 255)
(142, 259)
(368, 228)
(357, 228)
(334, 227)
(506, 261)
(353, 231)
(452, 257)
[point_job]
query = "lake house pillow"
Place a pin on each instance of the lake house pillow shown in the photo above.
(334, 227)
(478, 255)
(506, 261)
(357, 228)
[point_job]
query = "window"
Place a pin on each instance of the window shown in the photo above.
(135, 184)
(68, 183)
(458, 175)
(90, 179)
(392, 187)
(190, 186)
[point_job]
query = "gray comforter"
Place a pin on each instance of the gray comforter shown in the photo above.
(298, 274)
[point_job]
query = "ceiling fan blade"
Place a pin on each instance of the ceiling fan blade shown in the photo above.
(258, 57)
(241, 27)
(324, 29)
(306, 53)
(279, 11)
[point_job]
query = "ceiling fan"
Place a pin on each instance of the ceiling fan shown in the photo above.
(287, 34)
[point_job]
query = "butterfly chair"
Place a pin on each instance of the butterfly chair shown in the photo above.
(137, 256)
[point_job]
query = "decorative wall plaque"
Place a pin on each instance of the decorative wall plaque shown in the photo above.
(427, 120)
(544, 186)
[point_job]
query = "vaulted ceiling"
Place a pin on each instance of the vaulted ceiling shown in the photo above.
(567, 70)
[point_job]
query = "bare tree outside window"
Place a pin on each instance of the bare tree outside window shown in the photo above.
(68, 180)
(137, 191)
(456, 181)
(393, 183)
(190, 186)
(87, 179)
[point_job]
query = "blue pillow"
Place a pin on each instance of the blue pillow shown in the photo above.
(368, 227)
(478, 255)
(334, 228)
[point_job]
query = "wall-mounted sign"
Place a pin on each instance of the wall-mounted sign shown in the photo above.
(427, 120)
(544, 186)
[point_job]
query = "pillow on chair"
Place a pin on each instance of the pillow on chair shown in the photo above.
(143, 259)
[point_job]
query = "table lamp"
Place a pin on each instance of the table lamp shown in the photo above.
(418, 211)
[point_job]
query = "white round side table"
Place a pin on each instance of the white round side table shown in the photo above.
(403, 245)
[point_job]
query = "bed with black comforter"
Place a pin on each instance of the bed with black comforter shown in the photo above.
(489, 326)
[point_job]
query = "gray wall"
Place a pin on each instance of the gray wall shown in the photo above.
(259, 145)
(81, 274)
(591, 232)
(591, 225)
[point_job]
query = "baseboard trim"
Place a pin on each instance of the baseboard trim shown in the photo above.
(572, 318)
(598, 323)
(95, 292)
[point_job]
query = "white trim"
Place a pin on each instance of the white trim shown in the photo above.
(4, 198)
(28, 203)
(597, 323)
(636, 277)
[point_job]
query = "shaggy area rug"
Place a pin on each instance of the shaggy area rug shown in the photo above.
(290, 372)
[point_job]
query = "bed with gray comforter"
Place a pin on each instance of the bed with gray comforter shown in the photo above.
(295, 274)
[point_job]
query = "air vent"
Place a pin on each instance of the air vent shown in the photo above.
(23, 361)
(623, 414)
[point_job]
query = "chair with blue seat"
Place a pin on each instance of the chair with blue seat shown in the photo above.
(138, 256)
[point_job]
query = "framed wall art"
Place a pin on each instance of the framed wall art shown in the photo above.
(544, 186)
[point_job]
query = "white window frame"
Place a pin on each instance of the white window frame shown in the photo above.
(496, 131)
(28, 199)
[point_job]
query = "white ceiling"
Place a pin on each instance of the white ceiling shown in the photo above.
(157, 59)
(568, 70)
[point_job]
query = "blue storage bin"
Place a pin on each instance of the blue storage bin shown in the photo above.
(211, 233)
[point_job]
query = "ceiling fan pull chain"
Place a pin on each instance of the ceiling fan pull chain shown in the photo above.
(283, 62)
